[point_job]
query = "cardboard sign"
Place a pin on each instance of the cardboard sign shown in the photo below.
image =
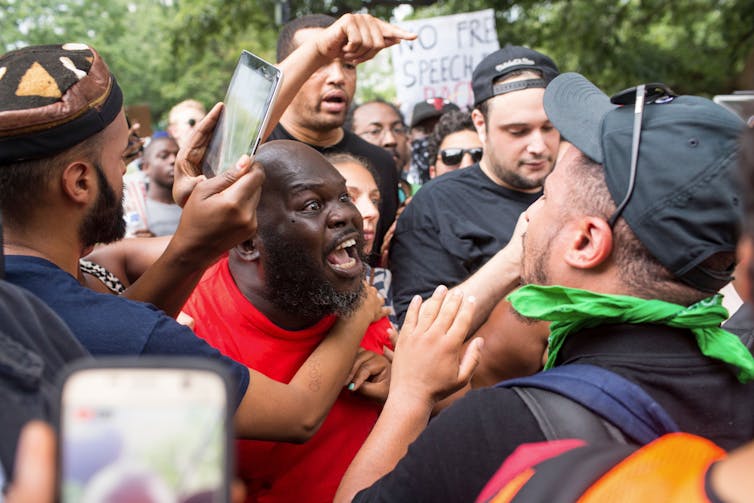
(440, 61)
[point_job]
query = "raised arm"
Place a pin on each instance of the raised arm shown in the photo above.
(353, 37)
(497, 278)
(429, 364)
(217, 214)
(293, 412)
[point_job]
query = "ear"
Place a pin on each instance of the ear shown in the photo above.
(589, 242)
(743, 279)
(248, 250)
(478, 119)
(432, 171)
(79, 182)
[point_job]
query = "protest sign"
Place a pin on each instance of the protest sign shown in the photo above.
(440, 61)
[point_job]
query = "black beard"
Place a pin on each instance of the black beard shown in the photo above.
(104, 223)
(295, 283)
(513, 179)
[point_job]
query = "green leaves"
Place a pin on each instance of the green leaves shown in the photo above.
(164, 51)
(695, 46)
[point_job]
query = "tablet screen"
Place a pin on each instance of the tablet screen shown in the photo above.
(250, 96)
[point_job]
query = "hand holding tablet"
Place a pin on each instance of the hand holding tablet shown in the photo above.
(248, 102)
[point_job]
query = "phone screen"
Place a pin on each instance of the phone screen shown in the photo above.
(139, 434)
(250, 95)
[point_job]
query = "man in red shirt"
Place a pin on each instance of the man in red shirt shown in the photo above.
(272, 301)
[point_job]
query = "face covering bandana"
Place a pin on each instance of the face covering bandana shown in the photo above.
(571, 310)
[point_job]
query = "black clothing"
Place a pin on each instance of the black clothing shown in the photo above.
(742, 324)
(381, 162)
(464, 445)
(34, 345)
(453, 225)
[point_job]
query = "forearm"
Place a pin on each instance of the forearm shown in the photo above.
(294, 412)
(400, 423)
(296, 68)
(168, 282)
(491, 283)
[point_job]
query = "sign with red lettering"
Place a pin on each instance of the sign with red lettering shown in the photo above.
(440, 61)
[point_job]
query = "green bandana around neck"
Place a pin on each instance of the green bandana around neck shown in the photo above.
(571, 309)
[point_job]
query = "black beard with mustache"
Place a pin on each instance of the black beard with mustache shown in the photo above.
(104, 223)
(520, 182)
(294, 282)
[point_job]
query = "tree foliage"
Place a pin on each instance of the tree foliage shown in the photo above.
(695, 46)
(164, 51)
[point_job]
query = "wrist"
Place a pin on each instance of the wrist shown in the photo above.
(186, 254)
(411, 405)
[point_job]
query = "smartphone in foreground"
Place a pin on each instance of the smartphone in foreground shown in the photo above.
(144, 430)
(246, 112)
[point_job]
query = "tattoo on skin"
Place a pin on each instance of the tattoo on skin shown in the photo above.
(315, 376)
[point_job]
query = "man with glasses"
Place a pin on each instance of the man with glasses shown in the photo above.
(381, 123)
(457, 222)
(624, 254)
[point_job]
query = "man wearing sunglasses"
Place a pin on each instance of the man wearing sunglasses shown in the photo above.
(457, 222)
(624, 254)
(453, 144)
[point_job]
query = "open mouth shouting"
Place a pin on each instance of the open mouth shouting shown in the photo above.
(345, 259)
(334, 102)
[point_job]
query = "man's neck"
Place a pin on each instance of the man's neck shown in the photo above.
(250, 283)
(63, 253)
(160, 194)
(318, 138)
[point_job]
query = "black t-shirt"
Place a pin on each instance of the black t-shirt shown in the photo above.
(34, 345)
(381, 162)
(741, 323)
(464, 445)
(453, 225)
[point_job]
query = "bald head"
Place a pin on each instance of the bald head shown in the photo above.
(309, 238)
(292, 166)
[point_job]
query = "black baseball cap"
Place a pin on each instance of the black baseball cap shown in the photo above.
(430, 108)
(685, 205)
(504, 61)
(53, 97)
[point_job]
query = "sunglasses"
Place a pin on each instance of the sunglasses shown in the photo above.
(454, 156)
(644, 94)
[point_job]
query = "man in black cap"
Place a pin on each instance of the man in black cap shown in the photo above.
(455, 223)
(424, 116)
(639, 223)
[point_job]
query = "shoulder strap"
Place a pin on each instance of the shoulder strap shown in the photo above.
(602, 392)
(559, 417)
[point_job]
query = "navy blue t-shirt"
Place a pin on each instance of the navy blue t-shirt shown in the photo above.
(108, 325)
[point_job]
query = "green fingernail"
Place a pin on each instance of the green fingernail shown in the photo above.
(351, 386)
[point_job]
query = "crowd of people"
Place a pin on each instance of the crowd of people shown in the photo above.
(459, 306)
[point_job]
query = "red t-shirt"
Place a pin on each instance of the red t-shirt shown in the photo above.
(279, 471)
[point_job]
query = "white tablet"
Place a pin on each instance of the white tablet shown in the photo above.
(248, 103)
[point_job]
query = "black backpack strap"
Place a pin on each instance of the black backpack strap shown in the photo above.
(559, 417)
(611, 397)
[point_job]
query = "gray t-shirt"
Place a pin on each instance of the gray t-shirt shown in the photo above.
(162, 219)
